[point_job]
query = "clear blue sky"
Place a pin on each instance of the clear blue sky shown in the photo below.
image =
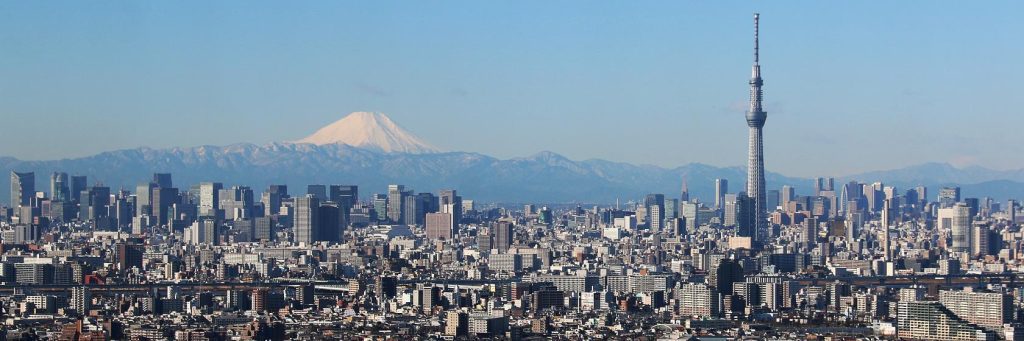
(850, 86)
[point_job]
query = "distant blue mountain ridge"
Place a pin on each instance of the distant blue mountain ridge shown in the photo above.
(545, 177)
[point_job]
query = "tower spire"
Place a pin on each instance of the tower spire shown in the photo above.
(756, 116)
(756, 17)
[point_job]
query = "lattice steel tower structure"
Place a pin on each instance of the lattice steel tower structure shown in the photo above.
(756, 117)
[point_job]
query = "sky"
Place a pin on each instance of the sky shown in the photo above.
(849, 86)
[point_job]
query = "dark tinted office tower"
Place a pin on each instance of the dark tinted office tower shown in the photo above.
(263, 229)
(727, 273)
(450, 202)
(23, 188)
(320, 191)
(412, 206)
(331, 222)
(396, 198)
(162, 180)
(59, 190)
(307, 219)
(122, 213)
(503, 235)
(772, 199)
(973, 204)
(429, 202)
(78, 184)
(129, 256)
(164, 200)
(99, 199)
(745, 216)
(380, 207)
(721, 188)
(281, 190)
(347, 196)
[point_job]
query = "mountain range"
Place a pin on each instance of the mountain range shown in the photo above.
(370, 150)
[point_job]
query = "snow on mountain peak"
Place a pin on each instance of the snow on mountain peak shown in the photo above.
(370, 130)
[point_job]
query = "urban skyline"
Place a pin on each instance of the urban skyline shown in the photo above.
(363, 230)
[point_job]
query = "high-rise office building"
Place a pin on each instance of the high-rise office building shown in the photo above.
(23, 187)
(209, 198)
(162, 180)
(503, 235)
(319, 191)
(332, 222)
(59, 189)
(144, 199)
(439, 226)
(450, 202)
(163, 200)
(396, 201)
(887, 220)
(721, 189)
(263, 228)
(78, 184)
(236, 202)
(787, 195)
(307, 219)
(729, 210)
(756, 118)
(271, 203)
(957, 220)
(202, 231)
(654, 202)
(416, 207)
(345, 195)
(380, 207)
(949, 196)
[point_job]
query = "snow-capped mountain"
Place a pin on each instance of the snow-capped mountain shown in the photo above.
(371, 151)
(370, 130)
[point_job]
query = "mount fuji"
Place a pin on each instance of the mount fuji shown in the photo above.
(370, 130)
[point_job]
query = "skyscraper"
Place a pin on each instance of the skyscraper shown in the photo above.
(756, 117)
(209, 193)
(450, 202)
(721, 188)
(59, 189)
(957, 220)
(654, 202)
(307, 219)
(503, 235)
(78, 184)
(23, 187)
(162, 180)
(396, 197)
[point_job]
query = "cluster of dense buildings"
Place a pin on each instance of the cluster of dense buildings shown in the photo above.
(214, 263)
